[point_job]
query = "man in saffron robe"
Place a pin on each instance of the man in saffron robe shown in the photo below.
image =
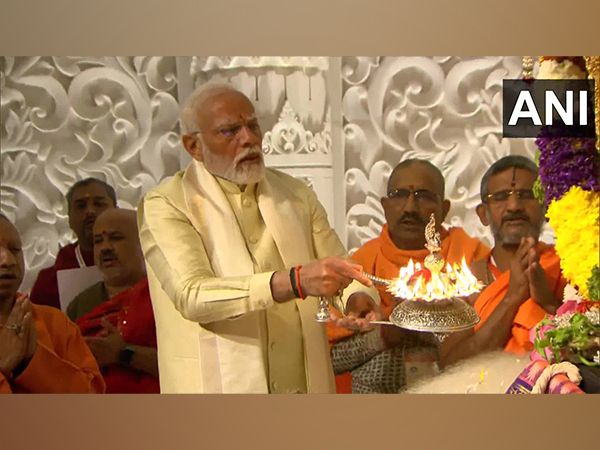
(522, 275)
(115, 316)
(86, 199)
(377, 362)
(41, 350)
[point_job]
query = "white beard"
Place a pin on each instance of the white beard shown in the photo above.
(247, 174)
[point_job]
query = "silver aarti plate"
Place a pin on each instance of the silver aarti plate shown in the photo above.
(440, 316)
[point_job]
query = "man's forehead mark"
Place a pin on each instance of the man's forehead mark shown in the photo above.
(514, 177)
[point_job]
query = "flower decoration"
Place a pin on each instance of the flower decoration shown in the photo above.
(562, 68)
(573, 334)
(566, 162)
(569, 184)
(575, 221)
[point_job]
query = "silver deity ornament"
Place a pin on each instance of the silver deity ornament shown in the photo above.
(431, 295)
(434, 261)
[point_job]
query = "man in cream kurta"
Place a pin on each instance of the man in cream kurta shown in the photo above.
(220, 239)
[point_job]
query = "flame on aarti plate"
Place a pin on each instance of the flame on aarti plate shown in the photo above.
(416, 283)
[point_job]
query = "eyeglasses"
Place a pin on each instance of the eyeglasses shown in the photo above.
(231, 130)
(423, 196)
(502, 196)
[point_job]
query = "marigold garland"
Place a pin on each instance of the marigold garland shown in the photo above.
(574, 219)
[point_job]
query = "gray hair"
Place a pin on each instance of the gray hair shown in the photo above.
(189, 114)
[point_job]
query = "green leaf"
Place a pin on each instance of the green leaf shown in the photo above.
(593, 284)
(576, 334)
(538, 191)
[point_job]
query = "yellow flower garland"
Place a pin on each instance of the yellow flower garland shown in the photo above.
(575, 221)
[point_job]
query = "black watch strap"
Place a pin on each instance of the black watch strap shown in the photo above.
(126, 356)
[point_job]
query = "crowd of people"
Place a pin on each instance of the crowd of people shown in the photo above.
(212, 285)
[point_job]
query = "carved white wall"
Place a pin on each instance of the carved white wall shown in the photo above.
(67, 118)
(340, 124)
(447, 110)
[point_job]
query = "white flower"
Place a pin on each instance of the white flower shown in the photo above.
(564, 70)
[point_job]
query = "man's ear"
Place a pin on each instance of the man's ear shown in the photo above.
(481, 213)
(385, 203)
(446, 204)
(192, 146)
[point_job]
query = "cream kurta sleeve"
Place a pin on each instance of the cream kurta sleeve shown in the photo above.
(177, 256)
(175, 251)
(327, 243)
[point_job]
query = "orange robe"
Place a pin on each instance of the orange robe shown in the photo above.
(381, 257)
(530, 313)
(62, 363)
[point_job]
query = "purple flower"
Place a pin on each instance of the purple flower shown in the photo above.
(566, 162)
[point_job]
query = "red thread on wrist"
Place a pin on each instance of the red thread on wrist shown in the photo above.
(302, 296)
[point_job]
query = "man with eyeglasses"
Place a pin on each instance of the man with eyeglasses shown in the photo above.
(233, 250)
(373, 362)
(522, 274)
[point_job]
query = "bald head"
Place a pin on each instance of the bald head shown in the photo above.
(415, 191)
(117, 250)
(124, 220)
(434, 174)
(12, 262)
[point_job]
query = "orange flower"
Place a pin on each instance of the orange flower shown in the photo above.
(584, 307)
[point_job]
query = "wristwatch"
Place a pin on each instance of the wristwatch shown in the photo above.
(126, 356)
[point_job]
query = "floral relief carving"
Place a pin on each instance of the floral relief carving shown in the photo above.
(203, 64)
(68, 118)
(289, 136)
(116, 118)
